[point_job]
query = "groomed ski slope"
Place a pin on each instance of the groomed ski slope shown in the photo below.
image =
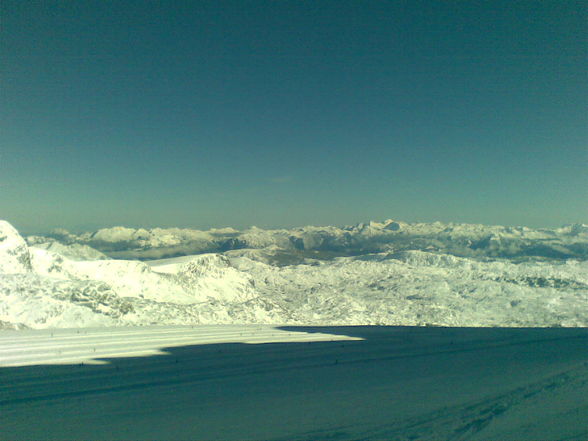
(294, 383)
(62, 346)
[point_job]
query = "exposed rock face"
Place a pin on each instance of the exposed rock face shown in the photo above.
(14, 252)
(11, 326)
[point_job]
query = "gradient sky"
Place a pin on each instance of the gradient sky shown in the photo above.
(284, 113)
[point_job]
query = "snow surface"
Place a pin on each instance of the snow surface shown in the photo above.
(294, 383)
(74, 251)
(42, 288)
(93, 345)
(14, 254)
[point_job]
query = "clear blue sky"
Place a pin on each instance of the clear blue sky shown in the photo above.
(283, 113)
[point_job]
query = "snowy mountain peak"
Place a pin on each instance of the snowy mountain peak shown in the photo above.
(14, 252)
(205, 263)
(462, 240)
(376, 226)
(75, 251)
(214, 275)
(577, 229)
(115, 234)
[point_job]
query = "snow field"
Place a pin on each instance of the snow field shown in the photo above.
(369, 383)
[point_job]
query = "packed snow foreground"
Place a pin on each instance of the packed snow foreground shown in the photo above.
(387, 273)
(304, 383)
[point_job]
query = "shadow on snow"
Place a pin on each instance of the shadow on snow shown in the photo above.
(356, 389)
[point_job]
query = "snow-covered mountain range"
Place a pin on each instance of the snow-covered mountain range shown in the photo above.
(376, 273)
(465, 240)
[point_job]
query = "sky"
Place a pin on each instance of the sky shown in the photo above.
(289, 113)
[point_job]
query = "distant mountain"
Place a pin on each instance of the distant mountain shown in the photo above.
(276, 280)
(465, 240)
